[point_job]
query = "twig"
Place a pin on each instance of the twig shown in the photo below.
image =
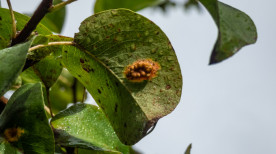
(60, 5)
(40, 12)
(50, 44)
(13, 20)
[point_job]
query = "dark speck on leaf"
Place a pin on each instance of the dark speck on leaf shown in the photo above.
(116, 106)
(65, 51)
(0, 18)
(117, 84)
(168, 87)
(99, 91)
(99, 101)
(125, 125)
(79, 75)
(81, 60)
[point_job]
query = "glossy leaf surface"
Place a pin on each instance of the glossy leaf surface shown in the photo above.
(135, 5)
(113, 40)
(236, 29)
(6, 26)
(12, 61)
(86, 126)
(23, 122)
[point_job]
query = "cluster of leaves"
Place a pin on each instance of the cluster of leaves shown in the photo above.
(95, 59)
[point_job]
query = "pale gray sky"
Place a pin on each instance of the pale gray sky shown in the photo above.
(228, 108)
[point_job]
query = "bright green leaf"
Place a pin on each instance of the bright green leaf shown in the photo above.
(6, 148)
(24, 116)
(86, 126)
(113, 40)
(236, 29)
(188, 150)
(12, 60)
(55, 20)
(135, 5)
(21, 20)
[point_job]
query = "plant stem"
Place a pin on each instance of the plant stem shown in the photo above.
(49, 103)
(13, 20)
(60, 5)
(50, 44)
(40, 12)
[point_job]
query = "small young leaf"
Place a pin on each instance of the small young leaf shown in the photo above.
(23, 122)
(112, 42)
(134, 5)
(21, 20)
(55, 20)
(12, 60)
(86, 126)
(236, 29)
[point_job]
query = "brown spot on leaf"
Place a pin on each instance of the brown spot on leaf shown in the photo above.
(13, 134)
(81, 60)
(116, 107)
(99, 91)
(168, 87)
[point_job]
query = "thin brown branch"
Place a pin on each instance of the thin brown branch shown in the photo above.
(40, 12)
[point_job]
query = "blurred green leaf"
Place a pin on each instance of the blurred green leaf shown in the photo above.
(188, 150)
(21, 20)
(6, 148)
(113, 40)
(236, 29)
(55, 20)
(135, 5)
(85, 126)
(23, 122)
(12, 60)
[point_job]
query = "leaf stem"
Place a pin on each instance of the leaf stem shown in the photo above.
(51, 44)
(49, 103)
(60, 5)
(13, 20)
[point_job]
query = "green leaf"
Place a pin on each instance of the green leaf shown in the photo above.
(135, 5)
(188, 150)
(6, 148)
(112, 41)
(21, 20)
(86, 126)
(23, 122)
(55, 20)
(12, 60)
(236, 29)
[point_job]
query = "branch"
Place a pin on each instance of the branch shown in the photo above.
(40, 12)
(13, 20)
(50, 44)
(60, 5)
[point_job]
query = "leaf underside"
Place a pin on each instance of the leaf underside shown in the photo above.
(109, 42)
(236, 30)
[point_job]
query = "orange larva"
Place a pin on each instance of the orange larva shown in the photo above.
(141, 70)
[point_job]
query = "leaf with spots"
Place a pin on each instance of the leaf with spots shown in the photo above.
(85, 126)
(21, 20)
(129, 67)
(12, 60)
(236, 30)
(24, 124)
(135, 5)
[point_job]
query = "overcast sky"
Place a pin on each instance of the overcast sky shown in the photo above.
(228, 108)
